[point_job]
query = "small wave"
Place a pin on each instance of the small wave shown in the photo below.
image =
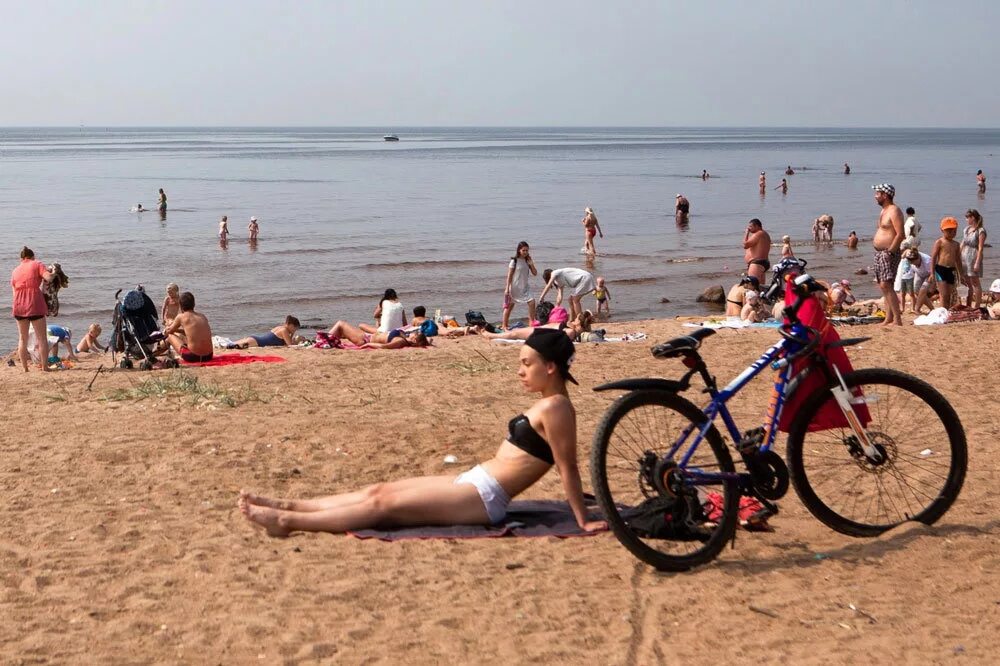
(631, 281)
(685, 260)
(432, 263)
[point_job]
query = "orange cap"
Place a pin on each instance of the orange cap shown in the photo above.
(949, 223)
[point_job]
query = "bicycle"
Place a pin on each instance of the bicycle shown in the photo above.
(867, 433)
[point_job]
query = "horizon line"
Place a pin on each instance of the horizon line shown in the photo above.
(382, 127)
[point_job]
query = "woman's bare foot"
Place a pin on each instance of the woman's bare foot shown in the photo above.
(266, 517)
(260, 500)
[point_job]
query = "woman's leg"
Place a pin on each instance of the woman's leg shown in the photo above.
(42, 337)
(368, 328)
(244, 343)
(513, 334)
(22, 342)
(335, 501)
(505, 320)
(425, 501)
(531, 312)
(976, 291)
(344, 330)
(575, 307)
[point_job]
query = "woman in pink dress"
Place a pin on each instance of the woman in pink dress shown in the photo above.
(29, 306)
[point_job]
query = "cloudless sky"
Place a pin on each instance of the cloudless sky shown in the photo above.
(877, 63)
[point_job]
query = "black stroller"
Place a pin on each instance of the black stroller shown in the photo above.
(135, 330)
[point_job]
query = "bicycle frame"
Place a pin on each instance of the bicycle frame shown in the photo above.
(773, 357)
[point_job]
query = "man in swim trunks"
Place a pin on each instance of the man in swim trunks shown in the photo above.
(279, 336)
(888, 238)
(681, 208)
(756, 246)
(189, 333)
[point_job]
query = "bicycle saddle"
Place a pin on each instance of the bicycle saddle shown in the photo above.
(678, 346)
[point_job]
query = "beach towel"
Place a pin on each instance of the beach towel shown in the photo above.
(233, 359)
(525, 518)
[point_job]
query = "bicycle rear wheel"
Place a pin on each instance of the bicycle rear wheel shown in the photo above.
(924, 457)
(629, 465)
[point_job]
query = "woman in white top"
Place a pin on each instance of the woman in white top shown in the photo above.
(389, 313)
(516, 288)
(576, 281)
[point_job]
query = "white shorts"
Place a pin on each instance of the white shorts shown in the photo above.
(494, 497)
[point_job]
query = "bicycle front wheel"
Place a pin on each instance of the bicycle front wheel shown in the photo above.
(922, 447)
(630, 465)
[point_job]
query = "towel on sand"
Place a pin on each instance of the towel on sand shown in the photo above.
(233, 359)
(525, 518)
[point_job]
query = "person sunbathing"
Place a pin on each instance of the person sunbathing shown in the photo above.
(279, 336)
(396, 338)
(542, 437)
(572, 329)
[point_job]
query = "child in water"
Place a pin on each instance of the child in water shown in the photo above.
(786, 247)
(224, 228)
(852, 241)
(171, 305)
(603, 296)
(253, 228)
(89, 342)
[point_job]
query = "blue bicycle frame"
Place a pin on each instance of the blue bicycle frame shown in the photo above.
(775, 358)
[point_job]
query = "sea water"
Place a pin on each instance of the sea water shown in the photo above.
(344, 215)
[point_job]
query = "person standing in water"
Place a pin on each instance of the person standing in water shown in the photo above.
(981, 181)
(591, 227)
(847, 169)
(161, 204)
(757, 247)
(253, 228)
(682, 208)
(762, 181)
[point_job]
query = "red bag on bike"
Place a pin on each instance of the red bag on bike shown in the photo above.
(829, 416)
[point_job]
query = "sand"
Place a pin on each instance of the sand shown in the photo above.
(121, 541)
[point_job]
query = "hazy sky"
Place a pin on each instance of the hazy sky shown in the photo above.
(471, 62)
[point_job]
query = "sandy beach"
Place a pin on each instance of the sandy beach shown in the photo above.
(121, 541)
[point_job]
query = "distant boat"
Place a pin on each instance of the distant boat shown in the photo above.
(391, 137)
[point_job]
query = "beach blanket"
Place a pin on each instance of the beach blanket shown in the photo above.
(525, 518)
(734, 323)
(233, 359)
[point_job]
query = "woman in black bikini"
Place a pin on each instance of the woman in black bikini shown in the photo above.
(543, 437)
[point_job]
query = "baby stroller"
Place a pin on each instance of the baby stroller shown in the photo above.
(135, 330)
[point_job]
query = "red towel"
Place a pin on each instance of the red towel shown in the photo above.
(234, 359)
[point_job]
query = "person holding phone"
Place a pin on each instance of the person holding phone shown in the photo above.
(516, 288)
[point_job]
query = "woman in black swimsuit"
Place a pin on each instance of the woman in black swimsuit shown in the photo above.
(545, 435)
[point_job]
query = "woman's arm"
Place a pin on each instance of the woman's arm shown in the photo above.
(163, 309)
(559, 423)
(978, 264)
(531, 266)
(598, 225)
(510, 278)
(397, 343)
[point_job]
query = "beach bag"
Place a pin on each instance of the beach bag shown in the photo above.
(829, 416)
(429, 328)
(558, 316)
(543, 310)
(677, 519)
(475, 318)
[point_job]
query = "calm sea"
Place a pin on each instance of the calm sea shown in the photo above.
(344, 215)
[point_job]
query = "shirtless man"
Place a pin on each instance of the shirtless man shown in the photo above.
(888, 237)
(189, 333)
(681, 208)
(981, 181)
(763, 183)
(757, 244)
(852, 241)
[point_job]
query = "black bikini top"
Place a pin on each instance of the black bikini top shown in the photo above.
(526, 438)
